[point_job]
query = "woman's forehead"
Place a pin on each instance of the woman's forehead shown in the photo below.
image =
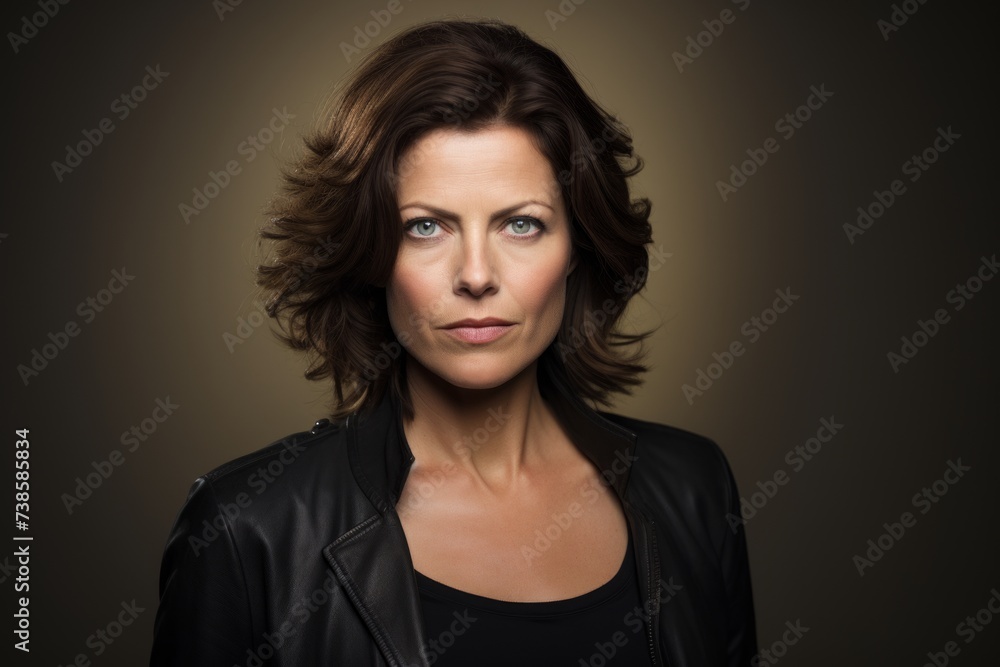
(501, 160)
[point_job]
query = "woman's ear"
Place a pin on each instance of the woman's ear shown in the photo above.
(573, 257)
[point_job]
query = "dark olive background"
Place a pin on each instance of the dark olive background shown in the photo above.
(163, 335)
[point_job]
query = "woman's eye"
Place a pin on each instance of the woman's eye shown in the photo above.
(522, 225)
(423, 227)
(519, 226)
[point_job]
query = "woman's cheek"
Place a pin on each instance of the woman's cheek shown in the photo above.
(412, 302)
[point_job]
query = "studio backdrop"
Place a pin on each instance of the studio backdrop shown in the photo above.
(823, 278)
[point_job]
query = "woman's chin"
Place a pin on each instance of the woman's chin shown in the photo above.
(477, 380)
(477, 375)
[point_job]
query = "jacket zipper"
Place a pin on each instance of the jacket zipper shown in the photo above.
(654, 621)
(652, 585)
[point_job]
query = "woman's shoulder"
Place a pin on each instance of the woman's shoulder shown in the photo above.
(680, 468)
(674, 449)
(288, 466)
(280, 453)
(686, 480)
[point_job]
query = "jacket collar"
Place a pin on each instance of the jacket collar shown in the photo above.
(372, 560)
(384, 457)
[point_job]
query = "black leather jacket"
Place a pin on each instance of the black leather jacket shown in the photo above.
(293, 555)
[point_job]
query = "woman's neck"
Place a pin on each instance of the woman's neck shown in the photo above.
(498, 436)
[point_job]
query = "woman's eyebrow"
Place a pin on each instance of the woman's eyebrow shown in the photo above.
(448, 215)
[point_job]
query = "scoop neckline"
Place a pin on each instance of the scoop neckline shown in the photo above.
(578, 603)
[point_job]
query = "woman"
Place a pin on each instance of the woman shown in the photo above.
(456, 249)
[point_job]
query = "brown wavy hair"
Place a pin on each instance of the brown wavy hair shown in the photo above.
(334, 228)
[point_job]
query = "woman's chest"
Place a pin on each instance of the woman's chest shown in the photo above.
(549, 545)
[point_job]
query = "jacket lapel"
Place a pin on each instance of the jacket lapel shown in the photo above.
(373, 565)
(372, 560)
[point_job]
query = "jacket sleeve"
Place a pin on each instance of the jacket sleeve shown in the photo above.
(203, 616)
(735, 562)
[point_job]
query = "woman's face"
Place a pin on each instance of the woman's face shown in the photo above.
(486, 238)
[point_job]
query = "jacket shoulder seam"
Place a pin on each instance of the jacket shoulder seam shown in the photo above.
(267, 451)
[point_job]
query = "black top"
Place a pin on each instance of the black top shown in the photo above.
(605, 626)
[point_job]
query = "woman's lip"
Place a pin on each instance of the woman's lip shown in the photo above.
(485, 322)
(484, 334)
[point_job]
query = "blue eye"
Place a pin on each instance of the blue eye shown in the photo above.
(520, 226)
(523, 223)
(424, 226)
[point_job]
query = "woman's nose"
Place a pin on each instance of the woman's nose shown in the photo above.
(475, 270)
